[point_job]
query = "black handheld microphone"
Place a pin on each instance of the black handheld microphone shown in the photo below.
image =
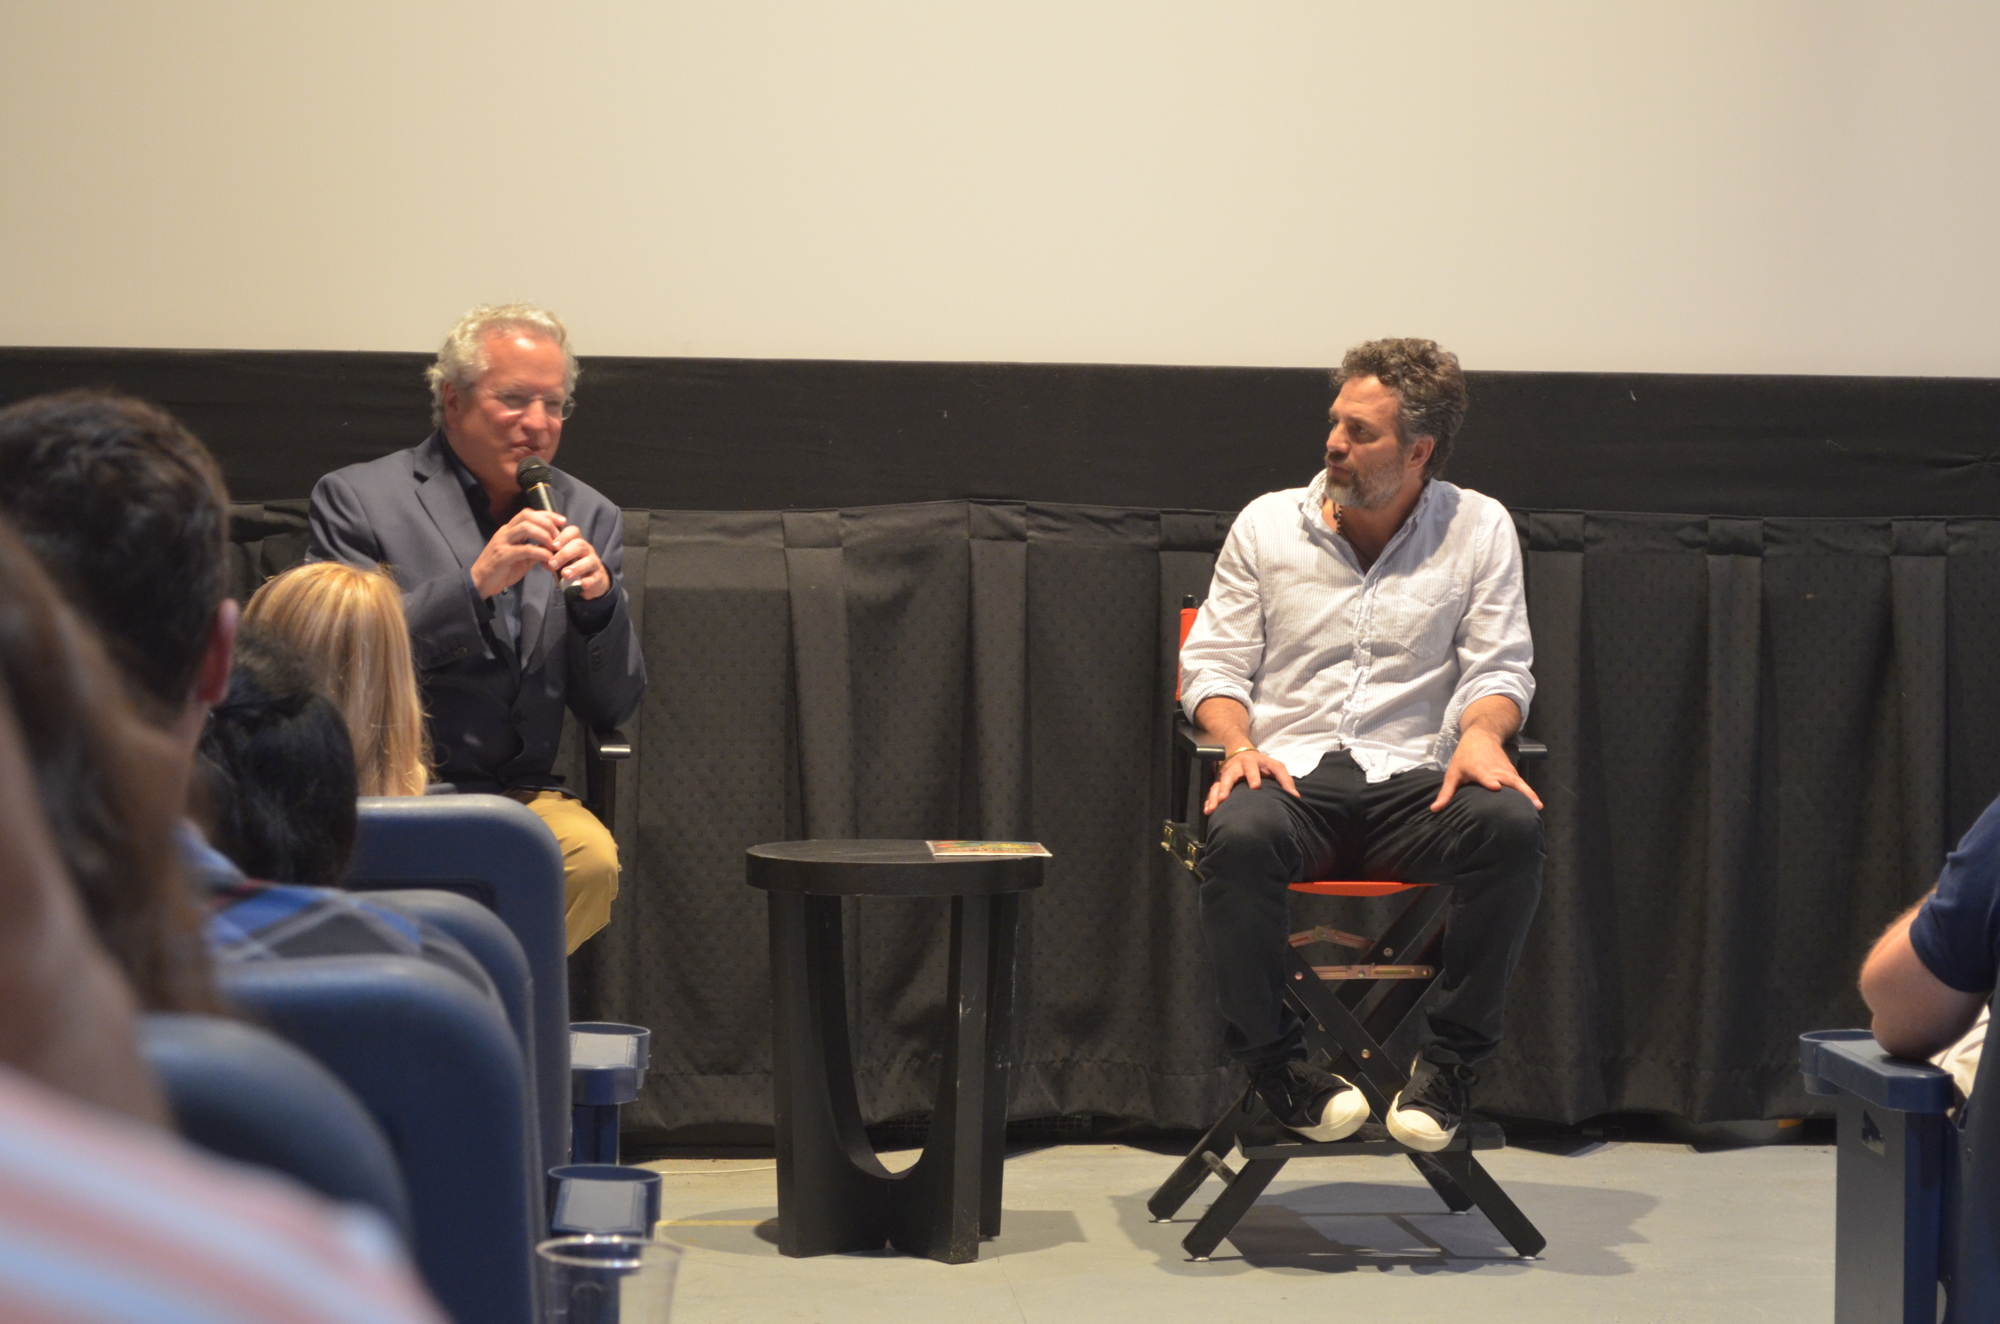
(533, 476)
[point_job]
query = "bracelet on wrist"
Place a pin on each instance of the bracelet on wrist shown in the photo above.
(1247, 749)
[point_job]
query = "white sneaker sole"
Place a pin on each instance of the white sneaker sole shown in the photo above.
(1345, 1112)
(1421, 1132)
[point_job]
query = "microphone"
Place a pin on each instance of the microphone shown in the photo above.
(533, 475)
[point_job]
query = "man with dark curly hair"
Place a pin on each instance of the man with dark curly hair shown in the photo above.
(1362, 658)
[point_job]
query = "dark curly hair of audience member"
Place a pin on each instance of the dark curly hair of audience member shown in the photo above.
(128, 511)
(98, 770)
(276, 769)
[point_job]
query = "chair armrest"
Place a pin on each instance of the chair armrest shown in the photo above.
(1525, 750)
(1188, 740)
(1851, 1060)
(610, 743)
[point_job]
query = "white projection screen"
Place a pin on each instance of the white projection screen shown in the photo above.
(1726, 187)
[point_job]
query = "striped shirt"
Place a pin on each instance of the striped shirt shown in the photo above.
(103, 1221)
(250, 920)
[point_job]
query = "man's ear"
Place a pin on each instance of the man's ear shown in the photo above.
(1419, 453)
(211, 680)
(453, 402)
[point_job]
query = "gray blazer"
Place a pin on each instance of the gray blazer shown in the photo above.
(495, 712)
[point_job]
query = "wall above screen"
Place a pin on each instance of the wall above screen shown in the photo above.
(1551, 185)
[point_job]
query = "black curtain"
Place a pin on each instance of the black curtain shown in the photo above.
(941, 670)
(1764, 734)
(777, 434)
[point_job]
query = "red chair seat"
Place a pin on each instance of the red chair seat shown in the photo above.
(1349, 888)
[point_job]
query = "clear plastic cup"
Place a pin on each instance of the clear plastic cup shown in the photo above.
(607, 1280)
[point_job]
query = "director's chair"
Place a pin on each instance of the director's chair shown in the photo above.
(1350, 1011)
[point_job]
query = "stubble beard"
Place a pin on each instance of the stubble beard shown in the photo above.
(1367, 490)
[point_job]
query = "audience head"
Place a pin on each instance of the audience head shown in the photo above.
(276, 769)
(102, 776)
(1429, 387)
(127, 512)
(348, 623)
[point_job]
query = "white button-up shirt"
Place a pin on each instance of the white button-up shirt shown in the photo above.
(1380, 664)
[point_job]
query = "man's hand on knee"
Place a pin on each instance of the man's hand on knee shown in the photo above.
(1481, 756)
(1251, 767)
(1227, 722)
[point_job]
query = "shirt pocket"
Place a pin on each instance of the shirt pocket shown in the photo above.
(1419, 616)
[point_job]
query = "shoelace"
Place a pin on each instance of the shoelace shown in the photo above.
(1446, 1088)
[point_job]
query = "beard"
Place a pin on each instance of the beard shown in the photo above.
(1368, 489)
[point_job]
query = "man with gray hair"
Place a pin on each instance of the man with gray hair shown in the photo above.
(514, 612)
(1362, 658)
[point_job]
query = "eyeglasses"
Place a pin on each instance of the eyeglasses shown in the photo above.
(558, 407)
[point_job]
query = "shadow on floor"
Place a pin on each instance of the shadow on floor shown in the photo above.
(755, 1232)
(1342, 1227)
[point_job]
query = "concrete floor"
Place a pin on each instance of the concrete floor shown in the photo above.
(1638, 1234)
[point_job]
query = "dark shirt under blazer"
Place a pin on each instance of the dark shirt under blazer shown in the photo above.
(495, 709)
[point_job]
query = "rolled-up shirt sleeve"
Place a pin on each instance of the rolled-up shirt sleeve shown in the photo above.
(1226, 646)
(1496, 653)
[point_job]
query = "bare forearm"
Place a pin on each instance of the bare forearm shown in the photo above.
(1225, 721)
(1915, 1013)
(1496, 716)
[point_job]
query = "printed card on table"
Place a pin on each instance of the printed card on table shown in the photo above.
(990, 849)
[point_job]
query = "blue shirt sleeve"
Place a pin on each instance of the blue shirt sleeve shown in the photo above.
(1956, 933)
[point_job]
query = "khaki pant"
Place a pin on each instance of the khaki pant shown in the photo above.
(590, 861)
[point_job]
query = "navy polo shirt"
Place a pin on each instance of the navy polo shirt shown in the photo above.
(1956, 934)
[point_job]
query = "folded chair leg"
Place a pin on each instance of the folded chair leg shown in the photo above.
(1194, 1169)
(1229, 1207)
(1467, 1174)
(1378, 1078)
(1448, 1190)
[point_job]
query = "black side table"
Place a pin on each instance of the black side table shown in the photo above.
(833, 1193)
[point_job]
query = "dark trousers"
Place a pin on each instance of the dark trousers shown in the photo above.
(1486, 844)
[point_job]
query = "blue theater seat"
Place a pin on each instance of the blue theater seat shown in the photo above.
(492, 944)
(1917, 1197)
(496, 852)
(1972, 1202)
(440, 1071)
(248, 1095)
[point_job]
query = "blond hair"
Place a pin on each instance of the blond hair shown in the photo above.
(348, 623)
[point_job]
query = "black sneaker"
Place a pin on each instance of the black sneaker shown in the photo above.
(1426, 1115)
(1311, 1100)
